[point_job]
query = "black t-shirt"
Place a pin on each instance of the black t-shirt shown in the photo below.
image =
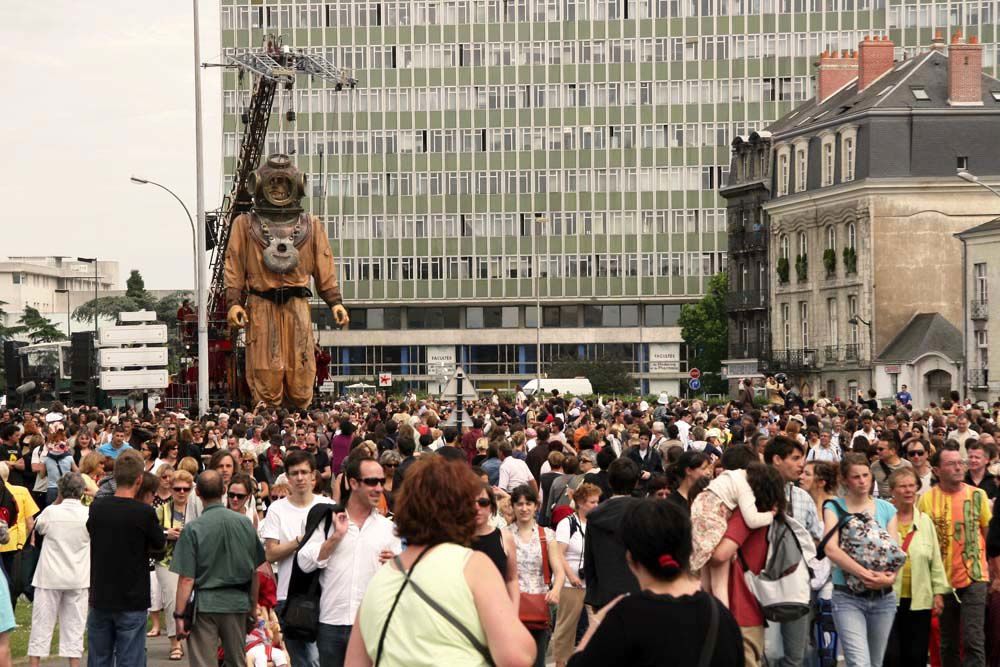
(123, 534)
(650, 630)
(9, 454)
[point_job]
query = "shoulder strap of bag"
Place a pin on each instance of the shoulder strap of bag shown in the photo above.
(844, 518)
(543, 545)
(406, 580)
(708, 648)
(448, 616)
(885, 469)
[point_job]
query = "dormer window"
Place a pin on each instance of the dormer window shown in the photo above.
(801, 166)
(920, 94)
(848, 152)
(827, 160)
(782, 174)
(996, 95)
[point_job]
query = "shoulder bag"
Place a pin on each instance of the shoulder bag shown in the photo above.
(534, 609)
(301, 612)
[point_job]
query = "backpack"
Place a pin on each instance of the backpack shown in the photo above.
(782, 586)
(864, 540)
(301, 612)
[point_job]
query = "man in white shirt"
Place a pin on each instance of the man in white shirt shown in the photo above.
(824, 450)
(358, 542)
(684, 428)
(962, 434)
(867, 428)
(513, 472)
(281, 531)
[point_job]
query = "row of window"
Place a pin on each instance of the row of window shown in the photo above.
(493, 140)
(626, 265)
(512, 317)
(586, 51)
(830, 235)
(538, 96)
(834, 320)
(544, 225)
(942, 16)
(452, 12)
(793, 160)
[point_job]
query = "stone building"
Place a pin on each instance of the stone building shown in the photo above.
(864, 208)
(747, 302)
(981, 267)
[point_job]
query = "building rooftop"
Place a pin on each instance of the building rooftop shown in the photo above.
(920, 83)
(926, 332)
(991, 226)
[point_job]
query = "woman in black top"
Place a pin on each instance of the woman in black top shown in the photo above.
(670, 621)
(497, 544)
(682, 475)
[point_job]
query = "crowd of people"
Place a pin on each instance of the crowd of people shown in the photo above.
(587, 531)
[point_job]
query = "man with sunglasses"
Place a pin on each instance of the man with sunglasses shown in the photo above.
(358, 541)
(917, 455)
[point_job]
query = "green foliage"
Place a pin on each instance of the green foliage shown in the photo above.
(850, 260)
(607, 376)
(39, 328)
(830, 261)
(782, 269)
(705, 326)
(802, 268)
(6, 332)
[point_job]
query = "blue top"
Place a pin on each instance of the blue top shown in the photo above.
(107, 450)
(56, 468)
(884, 512)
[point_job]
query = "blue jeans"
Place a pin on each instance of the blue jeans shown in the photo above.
(864, 625)
(301, 653)
(116, 638)
(332, 643)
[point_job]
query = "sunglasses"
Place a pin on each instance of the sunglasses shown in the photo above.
(389, 465)
(373, 481)
(916, 452)
(483, 502)
(237, 496)
(274, 498)
(182, 489)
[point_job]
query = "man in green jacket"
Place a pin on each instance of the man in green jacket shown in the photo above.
(217, 557)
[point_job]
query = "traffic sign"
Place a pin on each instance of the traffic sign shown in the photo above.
(150, 378)
(694, 384)
(694, 373)
(385, 379)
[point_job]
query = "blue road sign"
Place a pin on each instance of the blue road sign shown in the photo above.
(694, 384)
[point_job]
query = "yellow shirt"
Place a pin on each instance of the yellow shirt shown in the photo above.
(26, 507)
(960, 519)
(906, 573)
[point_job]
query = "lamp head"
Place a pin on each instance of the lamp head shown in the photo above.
(138, 181)
(853, 319)
(966, 176)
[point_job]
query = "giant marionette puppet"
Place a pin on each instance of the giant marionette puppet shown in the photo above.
(272, 253)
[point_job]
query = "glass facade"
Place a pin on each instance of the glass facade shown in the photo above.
(495, 151)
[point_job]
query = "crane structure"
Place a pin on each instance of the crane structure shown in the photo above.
(274, 67)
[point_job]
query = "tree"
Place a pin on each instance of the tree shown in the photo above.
(705, 328)
(607, 376)
(39, 328)
(6, 332)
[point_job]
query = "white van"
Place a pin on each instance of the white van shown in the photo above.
(574, 386)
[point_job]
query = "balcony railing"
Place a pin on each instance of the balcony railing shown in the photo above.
(746, 299)
(793, 359)
(747, 241)
(979, 310)
(850, 354)
(979, 377)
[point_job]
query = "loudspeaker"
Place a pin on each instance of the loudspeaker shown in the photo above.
(12, 369)
(82, 368)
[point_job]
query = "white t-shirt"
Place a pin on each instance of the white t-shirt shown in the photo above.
(284, 522)
(574, 553)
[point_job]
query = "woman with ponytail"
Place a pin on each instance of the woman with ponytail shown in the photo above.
(683, 474)
(671, 621)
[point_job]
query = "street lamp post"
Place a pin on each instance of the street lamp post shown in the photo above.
(202, 242)
(69, 328)
(194, 232)
(92, 260)
(972, 178)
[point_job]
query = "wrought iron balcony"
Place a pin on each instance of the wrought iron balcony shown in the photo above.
(850, 354)
(746, 299)
(747, 240)
(793, 359)
(979, 310)
(979, 378)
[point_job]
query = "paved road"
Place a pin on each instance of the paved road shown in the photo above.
(157, 650)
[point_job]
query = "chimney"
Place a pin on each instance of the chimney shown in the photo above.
(937, 44)
(965, 72)
(835, 72)
(875, 58)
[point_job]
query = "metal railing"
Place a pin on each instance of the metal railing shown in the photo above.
(794, 359)
(746, 299)
(979, 377)
(842, 354)
(979, 310)
(747, 241)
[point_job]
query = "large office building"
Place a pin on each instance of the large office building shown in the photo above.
(495, 153)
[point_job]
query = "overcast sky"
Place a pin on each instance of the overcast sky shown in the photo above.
(101, 91)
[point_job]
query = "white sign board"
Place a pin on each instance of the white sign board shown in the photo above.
(664, 358)
(385, 379)
(131, 380)
(441, 360)
(328, 387)
(134, 334)
(138, 316)
(133, 356)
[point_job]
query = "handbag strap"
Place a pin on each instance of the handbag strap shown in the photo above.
(844, 518)
(708, 648)
(392, 609)
(448, 616)
(543, 545)
(909, 538)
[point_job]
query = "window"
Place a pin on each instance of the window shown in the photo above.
(783, 246)
(831, 318)
(962, 163)
(995, 94)
(980, 287)
(852, 311)
(782, 174)
(801, 167)
(852, 236)
(804, 322)
(920, 94)
(18, 278)
(827, 164)
(847, 157)
(786, 326)
(831, 238)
